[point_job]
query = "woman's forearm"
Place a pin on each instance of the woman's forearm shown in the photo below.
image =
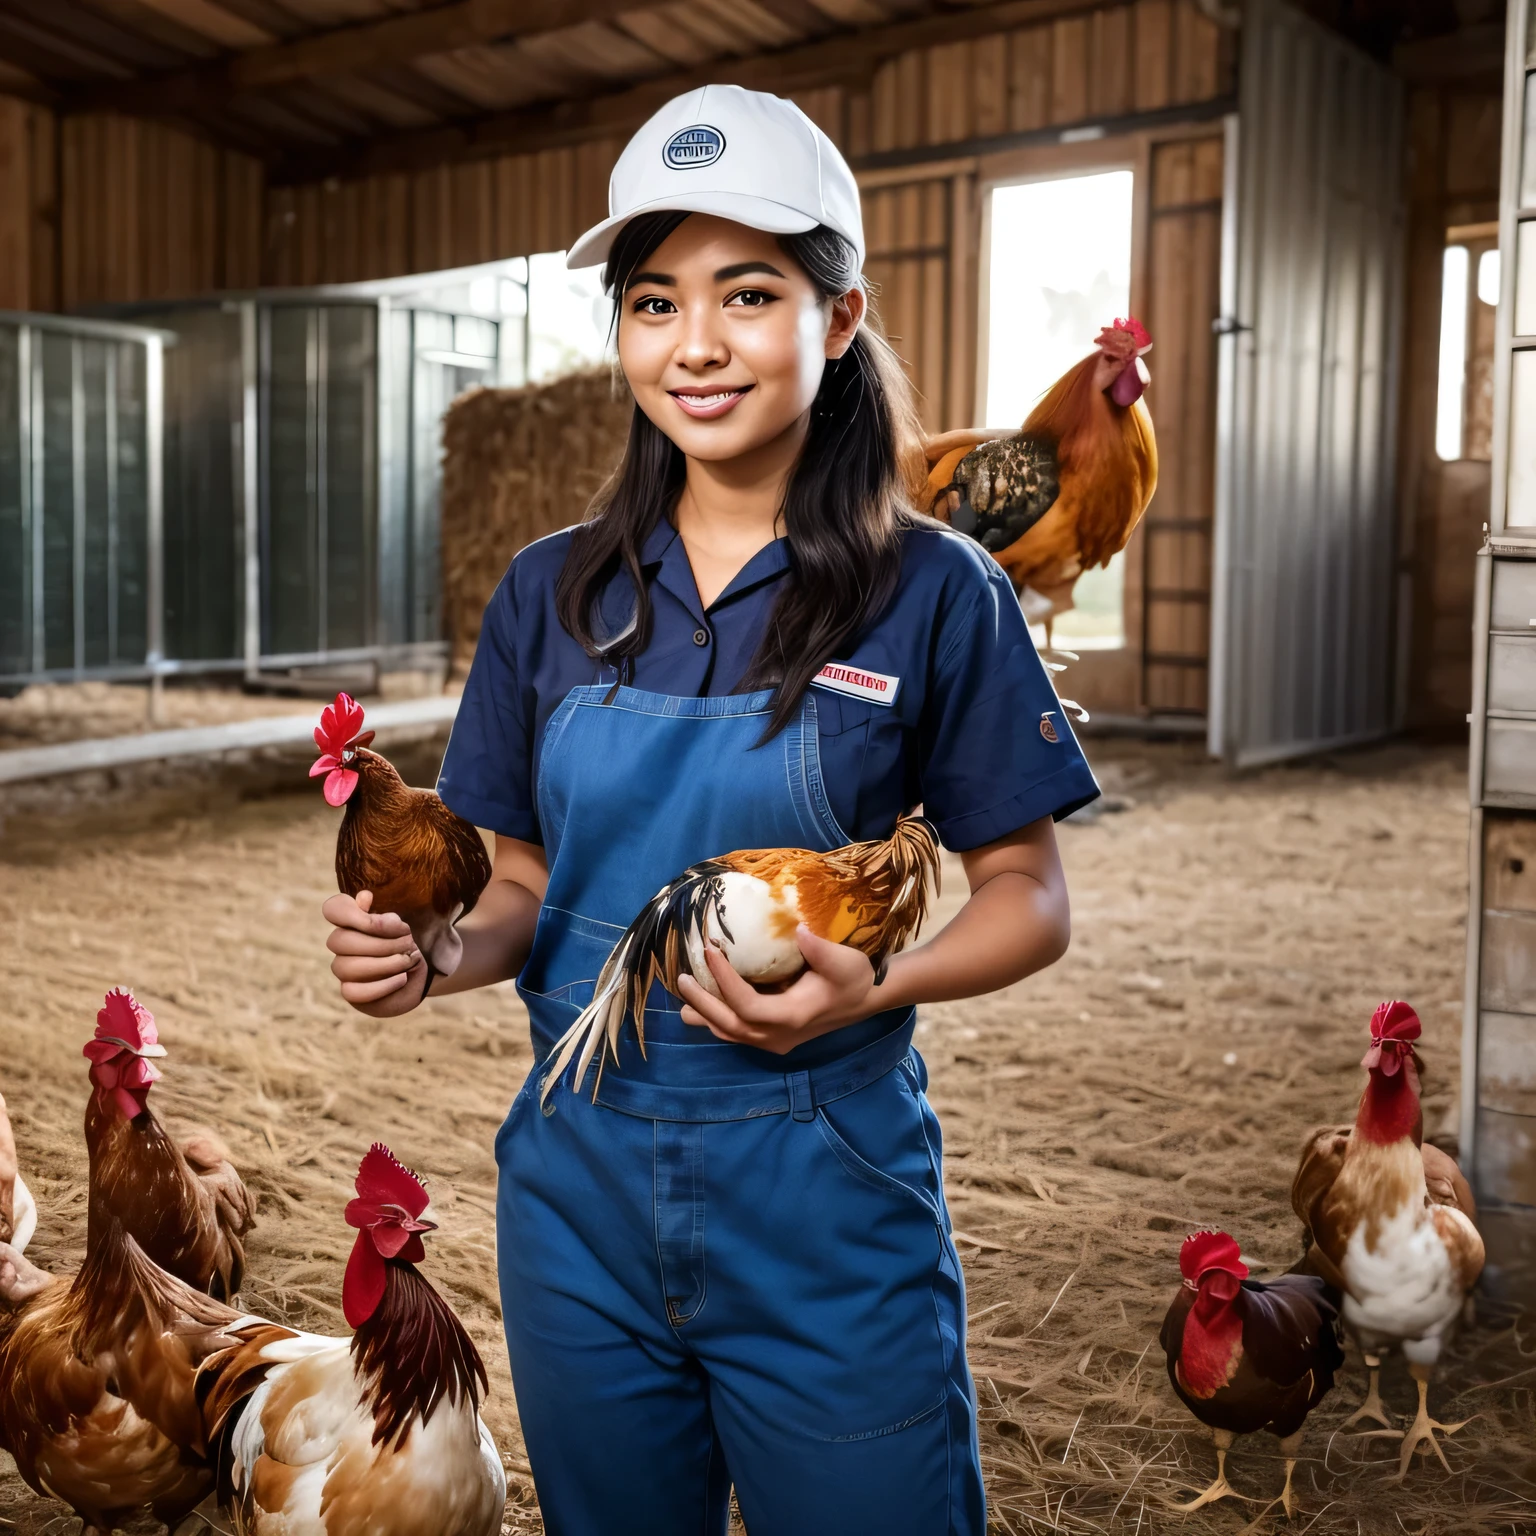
(1013, 926)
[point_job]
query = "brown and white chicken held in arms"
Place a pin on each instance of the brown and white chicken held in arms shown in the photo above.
(1063, 493)
(377, 1433)
(182, 1202)
(1391, 1223)
(872, 896)
(421, 862)
(1245, 1355)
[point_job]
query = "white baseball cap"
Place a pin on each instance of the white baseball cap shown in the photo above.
(742, 155)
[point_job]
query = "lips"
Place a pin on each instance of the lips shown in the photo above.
(707, 405)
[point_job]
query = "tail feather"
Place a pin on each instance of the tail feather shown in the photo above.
(658, 946)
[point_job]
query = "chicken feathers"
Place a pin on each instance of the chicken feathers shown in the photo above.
(183, 1203)
(872, 896)
(420, 860)
(1065, 492)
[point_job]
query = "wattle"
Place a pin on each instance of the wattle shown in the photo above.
(1211, 1350)
(339, 784)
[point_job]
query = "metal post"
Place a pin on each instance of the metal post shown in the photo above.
(77, 493)
(154, 438)
(250, 487)
(110, 418)
(31, 479)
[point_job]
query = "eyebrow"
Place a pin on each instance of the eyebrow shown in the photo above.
(661, 279)
(725, 274)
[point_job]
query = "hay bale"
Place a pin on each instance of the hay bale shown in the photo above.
(517, 464)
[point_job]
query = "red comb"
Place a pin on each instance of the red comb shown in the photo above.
(339, 723)
(387, 1211)
(383, 1180)
(123, 1020)
(1395, 1021)
(1394, 1028)
(1138, 331)
(1204, 1251)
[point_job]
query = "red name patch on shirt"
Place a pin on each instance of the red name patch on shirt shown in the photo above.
(876, 687)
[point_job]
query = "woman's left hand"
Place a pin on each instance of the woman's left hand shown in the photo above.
(834, 989)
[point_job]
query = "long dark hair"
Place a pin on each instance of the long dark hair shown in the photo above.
(845, 503)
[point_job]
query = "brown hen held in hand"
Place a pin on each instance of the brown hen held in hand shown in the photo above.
(422, 862)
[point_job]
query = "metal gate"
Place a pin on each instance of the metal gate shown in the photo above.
(1302, 601)
(80, 420)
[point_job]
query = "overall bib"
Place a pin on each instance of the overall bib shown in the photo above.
(735, 1267)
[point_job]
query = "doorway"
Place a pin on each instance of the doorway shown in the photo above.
(1057, 263)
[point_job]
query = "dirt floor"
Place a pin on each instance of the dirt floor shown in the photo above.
(1231, 938)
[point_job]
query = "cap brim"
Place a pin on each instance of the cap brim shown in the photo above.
(740, 207)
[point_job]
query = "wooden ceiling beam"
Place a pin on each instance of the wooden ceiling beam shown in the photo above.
(350, 50)
(848, 57)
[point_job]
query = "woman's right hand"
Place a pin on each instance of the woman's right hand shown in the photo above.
(374, 957)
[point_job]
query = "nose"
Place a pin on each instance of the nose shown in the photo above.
(701, 346)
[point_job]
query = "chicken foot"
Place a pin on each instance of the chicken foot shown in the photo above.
(1423, 1427)
(1221, 1488)
(1372, 1407)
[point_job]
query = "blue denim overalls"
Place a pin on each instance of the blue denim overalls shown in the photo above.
(735, 1267)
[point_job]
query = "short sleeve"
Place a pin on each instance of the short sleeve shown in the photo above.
(487, 774)
(996, 749)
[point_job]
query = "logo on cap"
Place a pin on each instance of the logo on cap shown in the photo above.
(693, 147)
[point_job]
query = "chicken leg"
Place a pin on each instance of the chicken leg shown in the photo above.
(1372, 1407)
(1221, 1488)
(1423, 1427)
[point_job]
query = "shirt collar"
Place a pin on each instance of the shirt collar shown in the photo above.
(664, 548)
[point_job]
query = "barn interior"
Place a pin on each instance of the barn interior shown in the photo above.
(290, 366)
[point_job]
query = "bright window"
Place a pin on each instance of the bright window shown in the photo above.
(1059, 261)
(569, 317)
(1451, 400)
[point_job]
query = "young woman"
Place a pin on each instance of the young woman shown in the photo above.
(743, 1273)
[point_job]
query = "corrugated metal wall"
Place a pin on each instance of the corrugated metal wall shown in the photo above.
(1305, 520)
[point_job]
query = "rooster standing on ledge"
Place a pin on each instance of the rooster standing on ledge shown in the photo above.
(1245, 1355)
(1390, 1221)
(749, 904)
(421, 862)
(1064, 493)
(184, 1204)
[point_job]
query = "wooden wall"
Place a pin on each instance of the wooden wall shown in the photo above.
(28, 206)
(1146, 56)
(1453, 174)
(98, 209)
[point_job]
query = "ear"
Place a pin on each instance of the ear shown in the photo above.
(847, 316)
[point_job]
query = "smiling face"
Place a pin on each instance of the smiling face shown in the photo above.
(723, 338)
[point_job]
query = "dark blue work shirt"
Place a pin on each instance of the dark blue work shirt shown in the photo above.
(976, 732)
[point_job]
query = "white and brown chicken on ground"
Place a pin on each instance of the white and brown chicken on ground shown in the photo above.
(1390, 1222)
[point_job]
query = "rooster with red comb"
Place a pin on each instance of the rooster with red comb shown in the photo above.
(418, 859)
(380, 1433)
(1245, 1355)
(1064, 493)
(1391, 1222)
